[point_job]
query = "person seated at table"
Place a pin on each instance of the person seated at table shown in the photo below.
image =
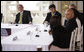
(77, 13)
(23, 17)
(70, 23)
(52, 12)
(60, 35)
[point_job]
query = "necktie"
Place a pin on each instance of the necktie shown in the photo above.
(20, 21)
(52, 14)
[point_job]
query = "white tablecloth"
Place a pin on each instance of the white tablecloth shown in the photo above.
(26, 42)
(14, 28)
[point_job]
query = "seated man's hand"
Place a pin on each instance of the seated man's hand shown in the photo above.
(13, 23)
(30, 22)
(45, 22)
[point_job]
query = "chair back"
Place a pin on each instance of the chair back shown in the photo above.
(73, 40)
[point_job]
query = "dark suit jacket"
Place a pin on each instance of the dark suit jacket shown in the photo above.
(26, 17)
(49, 16)
(71, 24)
(60, 37)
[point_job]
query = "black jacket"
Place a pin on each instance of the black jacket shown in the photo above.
(26, 17)
(49, 16)
(60, 37)
(71, 24)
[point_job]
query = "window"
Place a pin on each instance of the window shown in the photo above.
(30, 5)
(35, 5)
(12, 8)
(9, 10)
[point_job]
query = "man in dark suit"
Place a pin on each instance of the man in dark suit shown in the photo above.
(52, 13)
(23, 17)
(70, 22)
